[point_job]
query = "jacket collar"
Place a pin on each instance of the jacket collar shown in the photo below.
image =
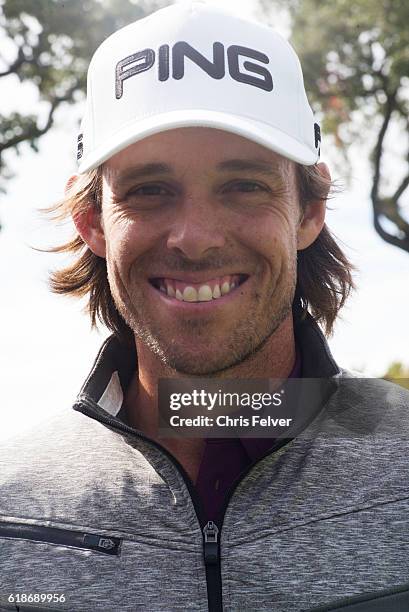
(316, 357)
(115, 364)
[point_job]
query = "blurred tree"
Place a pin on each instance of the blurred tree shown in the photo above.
(398, 373)
(49, 43)
(355, 59)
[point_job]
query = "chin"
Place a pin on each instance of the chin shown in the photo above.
(194, 364)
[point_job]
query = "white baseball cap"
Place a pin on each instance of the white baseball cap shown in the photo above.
(192, 64)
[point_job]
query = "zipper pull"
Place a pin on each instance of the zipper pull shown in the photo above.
(211, 547)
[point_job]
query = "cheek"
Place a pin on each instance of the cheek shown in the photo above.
(127, 240)
(272, 238)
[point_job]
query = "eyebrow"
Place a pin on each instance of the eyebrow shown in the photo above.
(256, 166)
(141, 171)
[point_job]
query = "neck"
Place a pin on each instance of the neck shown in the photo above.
(274, 359)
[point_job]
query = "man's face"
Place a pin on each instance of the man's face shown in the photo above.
(200, 208)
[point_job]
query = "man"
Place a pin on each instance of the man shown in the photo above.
(199, 206)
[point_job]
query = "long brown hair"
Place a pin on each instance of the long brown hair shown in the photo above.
(324, 273)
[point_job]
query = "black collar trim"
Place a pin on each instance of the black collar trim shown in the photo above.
(116, 363)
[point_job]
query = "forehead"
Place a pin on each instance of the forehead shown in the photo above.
(197, 148)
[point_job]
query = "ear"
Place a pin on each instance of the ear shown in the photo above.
(313, 218)
(88, 223)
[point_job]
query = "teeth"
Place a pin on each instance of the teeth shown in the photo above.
(205, 294)
(198, 293)
(171, 291)
(190, 294)
(225, 288)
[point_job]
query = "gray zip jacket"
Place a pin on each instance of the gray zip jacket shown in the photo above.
(95, 516)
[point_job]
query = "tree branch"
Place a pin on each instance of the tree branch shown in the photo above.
(404, 184)
(23, 58)
(36, 132)
(401, 243)
(377, 154)
(388, 207)
(18, 62)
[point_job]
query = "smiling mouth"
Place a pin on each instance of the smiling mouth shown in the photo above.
(206, 291)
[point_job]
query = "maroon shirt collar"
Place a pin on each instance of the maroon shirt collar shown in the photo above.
(255, 447)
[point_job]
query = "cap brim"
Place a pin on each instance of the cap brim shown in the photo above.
(270, 137)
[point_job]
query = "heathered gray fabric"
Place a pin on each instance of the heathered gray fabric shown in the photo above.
(323, 518)
(76, 473)
(332, 512)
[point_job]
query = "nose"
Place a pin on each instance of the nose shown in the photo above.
(197, 229)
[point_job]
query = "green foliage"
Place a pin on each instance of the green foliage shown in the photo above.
(398, 373)
(352, 54)
(53, 42)
(355, 60)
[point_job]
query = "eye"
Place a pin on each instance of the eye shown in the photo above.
(246, 186)
(148, 190)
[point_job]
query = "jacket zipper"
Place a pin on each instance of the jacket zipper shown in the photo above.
(64, 537)
(91, 409)
(211, 532)
(211, 552)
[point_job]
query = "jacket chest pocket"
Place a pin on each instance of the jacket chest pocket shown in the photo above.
(96, 542)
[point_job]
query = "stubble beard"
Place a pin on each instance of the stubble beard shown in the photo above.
(248, 337)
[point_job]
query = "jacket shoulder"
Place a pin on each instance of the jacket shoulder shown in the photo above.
(370, 405)
(51, 447)
(70, 466)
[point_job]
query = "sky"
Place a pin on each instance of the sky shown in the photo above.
(47, 347)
